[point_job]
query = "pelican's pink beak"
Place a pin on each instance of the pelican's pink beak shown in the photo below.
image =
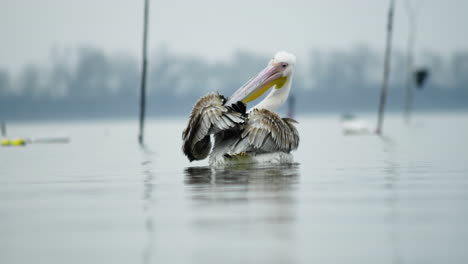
(270, 76)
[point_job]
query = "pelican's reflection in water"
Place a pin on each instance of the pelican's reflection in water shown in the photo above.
(284, 175)
(248, 208)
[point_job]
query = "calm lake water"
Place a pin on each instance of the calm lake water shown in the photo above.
(347, 199)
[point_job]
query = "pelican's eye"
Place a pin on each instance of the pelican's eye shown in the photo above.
(284, 65)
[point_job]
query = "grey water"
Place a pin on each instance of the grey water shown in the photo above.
(102, 198)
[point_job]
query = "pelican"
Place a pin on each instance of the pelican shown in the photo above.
(240, 136)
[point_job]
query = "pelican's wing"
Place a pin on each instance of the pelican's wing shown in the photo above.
(209, 116)
(265, 132)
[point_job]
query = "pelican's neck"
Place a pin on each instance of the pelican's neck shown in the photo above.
(276, 97)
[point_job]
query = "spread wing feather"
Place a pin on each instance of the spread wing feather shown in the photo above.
(209, 116)
(265, 131)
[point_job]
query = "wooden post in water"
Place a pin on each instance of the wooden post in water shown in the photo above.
(412, 16)
(409, 68)
(3, 129)
(143, 75)
(291, 106)
(386, 72)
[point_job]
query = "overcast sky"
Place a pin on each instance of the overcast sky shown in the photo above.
(29, 29)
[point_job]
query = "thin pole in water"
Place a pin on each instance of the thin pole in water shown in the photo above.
(386, 73)
(3, 129)
(411, 11)
(143, 74)
(291, 106)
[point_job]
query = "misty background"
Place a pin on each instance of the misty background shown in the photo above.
(88, 82)
(66, 59)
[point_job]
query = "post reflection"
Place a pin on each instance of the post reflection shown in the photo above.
(148, 188)
(149, 220)
(391, 172)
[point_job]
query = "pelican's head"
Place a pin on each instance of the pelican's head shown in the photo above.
(285, 60)
(277, 73)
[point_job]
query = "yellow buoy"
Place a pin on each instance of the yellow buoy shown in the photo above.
(5, 142)
(13, 142)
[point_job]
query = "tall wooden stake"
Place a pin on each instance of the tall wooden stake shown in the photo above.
(386, 73)
(411, 10)
(143, 75)
(291, 106)
(3, 129)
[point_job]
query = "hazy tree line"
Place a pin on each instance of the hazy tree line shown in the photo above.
(89, 83)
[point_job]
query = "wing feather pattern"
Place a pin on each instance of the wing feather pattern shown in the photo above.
(209, 116)
(265, 131)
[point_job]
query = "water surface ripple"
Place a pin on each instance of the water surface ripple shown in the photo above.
(346, 199)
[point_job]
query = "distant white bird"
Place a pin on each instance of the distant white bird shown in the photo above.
(353, 126)
(257, 135)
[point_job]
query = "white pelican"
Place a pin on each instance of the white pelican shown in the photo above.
(258, 135)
